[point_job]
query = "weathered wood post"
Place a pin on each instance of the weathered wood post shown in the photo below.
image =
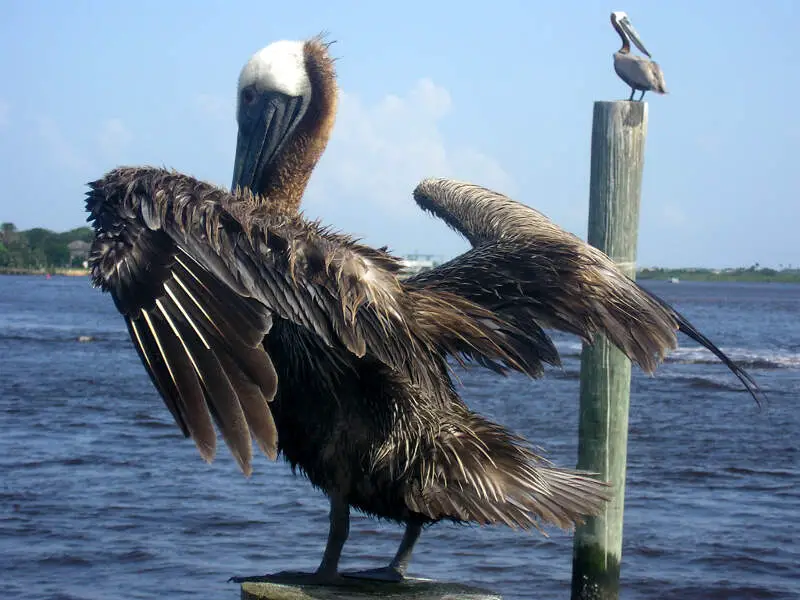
(618, 138)
(359, 589)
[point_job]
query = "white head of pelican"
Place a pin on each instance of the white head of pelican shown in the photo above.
(286, 107)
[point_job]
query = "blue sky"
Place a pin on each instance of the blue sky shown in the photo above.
(498, 93)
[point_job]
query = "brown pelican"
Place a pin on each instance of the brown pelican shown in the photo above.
(637, 71)
(247, 315)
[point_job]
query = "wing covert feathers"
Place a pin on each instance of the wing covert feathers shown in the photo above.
(200, 275)
(536, 275)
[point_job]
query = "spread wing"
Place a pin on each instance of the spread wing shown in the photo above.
(199, 276)
(536, 275)
(199, 287)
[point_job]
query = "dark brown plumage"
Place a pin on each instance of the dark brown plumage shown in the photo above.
(306, 341)
(282, 332)
(533, 273)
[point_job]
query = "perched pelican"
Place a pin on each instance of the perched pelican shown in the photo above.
(247, 315)
(637, 71)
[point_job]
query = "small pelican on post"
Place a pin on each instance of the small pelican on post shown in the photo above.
(637, 71)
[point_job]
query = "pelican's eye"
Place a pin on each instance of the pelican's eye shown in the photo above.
(248, 96)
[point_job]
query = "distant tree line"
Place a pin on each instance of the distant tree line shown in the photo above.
(40, 248)
(786, 274)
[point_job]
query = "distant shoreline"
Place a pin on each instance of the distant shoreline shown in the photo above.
(750, 275)
(62, 271)
(705, 275)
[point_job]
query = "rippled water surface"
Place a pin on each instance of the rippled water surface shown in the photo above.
(102, 497)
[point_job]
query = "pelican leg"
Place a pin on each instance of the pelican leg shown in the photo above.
(395, 570)
(328, 570)
(633, 91)
(337, 536)
(642, 96)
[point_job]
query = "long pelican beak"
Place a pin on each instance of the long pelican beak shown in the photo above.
(633, 35)
(265, 125)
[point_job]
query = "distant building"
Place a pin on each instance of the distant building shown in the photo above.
(416, 263)
(78, 251)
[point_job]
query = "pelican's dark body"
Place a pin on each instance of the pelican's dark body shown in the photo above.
(275, 328)
(332, 434)
(335, 433)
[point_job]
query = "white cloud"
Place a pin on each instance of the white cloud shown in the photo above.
(113, 138)
(4, 110)
(378, 153)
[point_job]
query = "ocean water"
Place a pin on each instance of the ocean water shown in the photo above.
(101, 497)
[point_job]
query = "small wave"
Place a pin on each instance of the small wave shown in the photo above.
(720, 590)
(58, 337)
(571, 349)
(753, 359)
(690, 476)
(67, 560)
(767, 472)
(150, 422)
(702, 383)
(136, 556)
(763, 563)
(570, 374)
(62, 461)
(649, 551)
(745, 357)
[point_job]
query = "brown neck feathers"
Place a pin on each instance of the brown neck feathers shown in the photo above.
(286, 183)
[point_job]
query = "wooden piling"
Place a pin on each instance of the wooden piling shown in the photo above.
(361, 589)
(618, 139)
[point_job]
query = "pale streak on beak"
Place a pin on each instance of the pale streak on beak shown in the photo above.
(633, 35)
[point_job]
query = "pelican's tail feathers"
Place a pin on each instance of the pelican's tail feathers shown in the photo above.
(480, 472)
